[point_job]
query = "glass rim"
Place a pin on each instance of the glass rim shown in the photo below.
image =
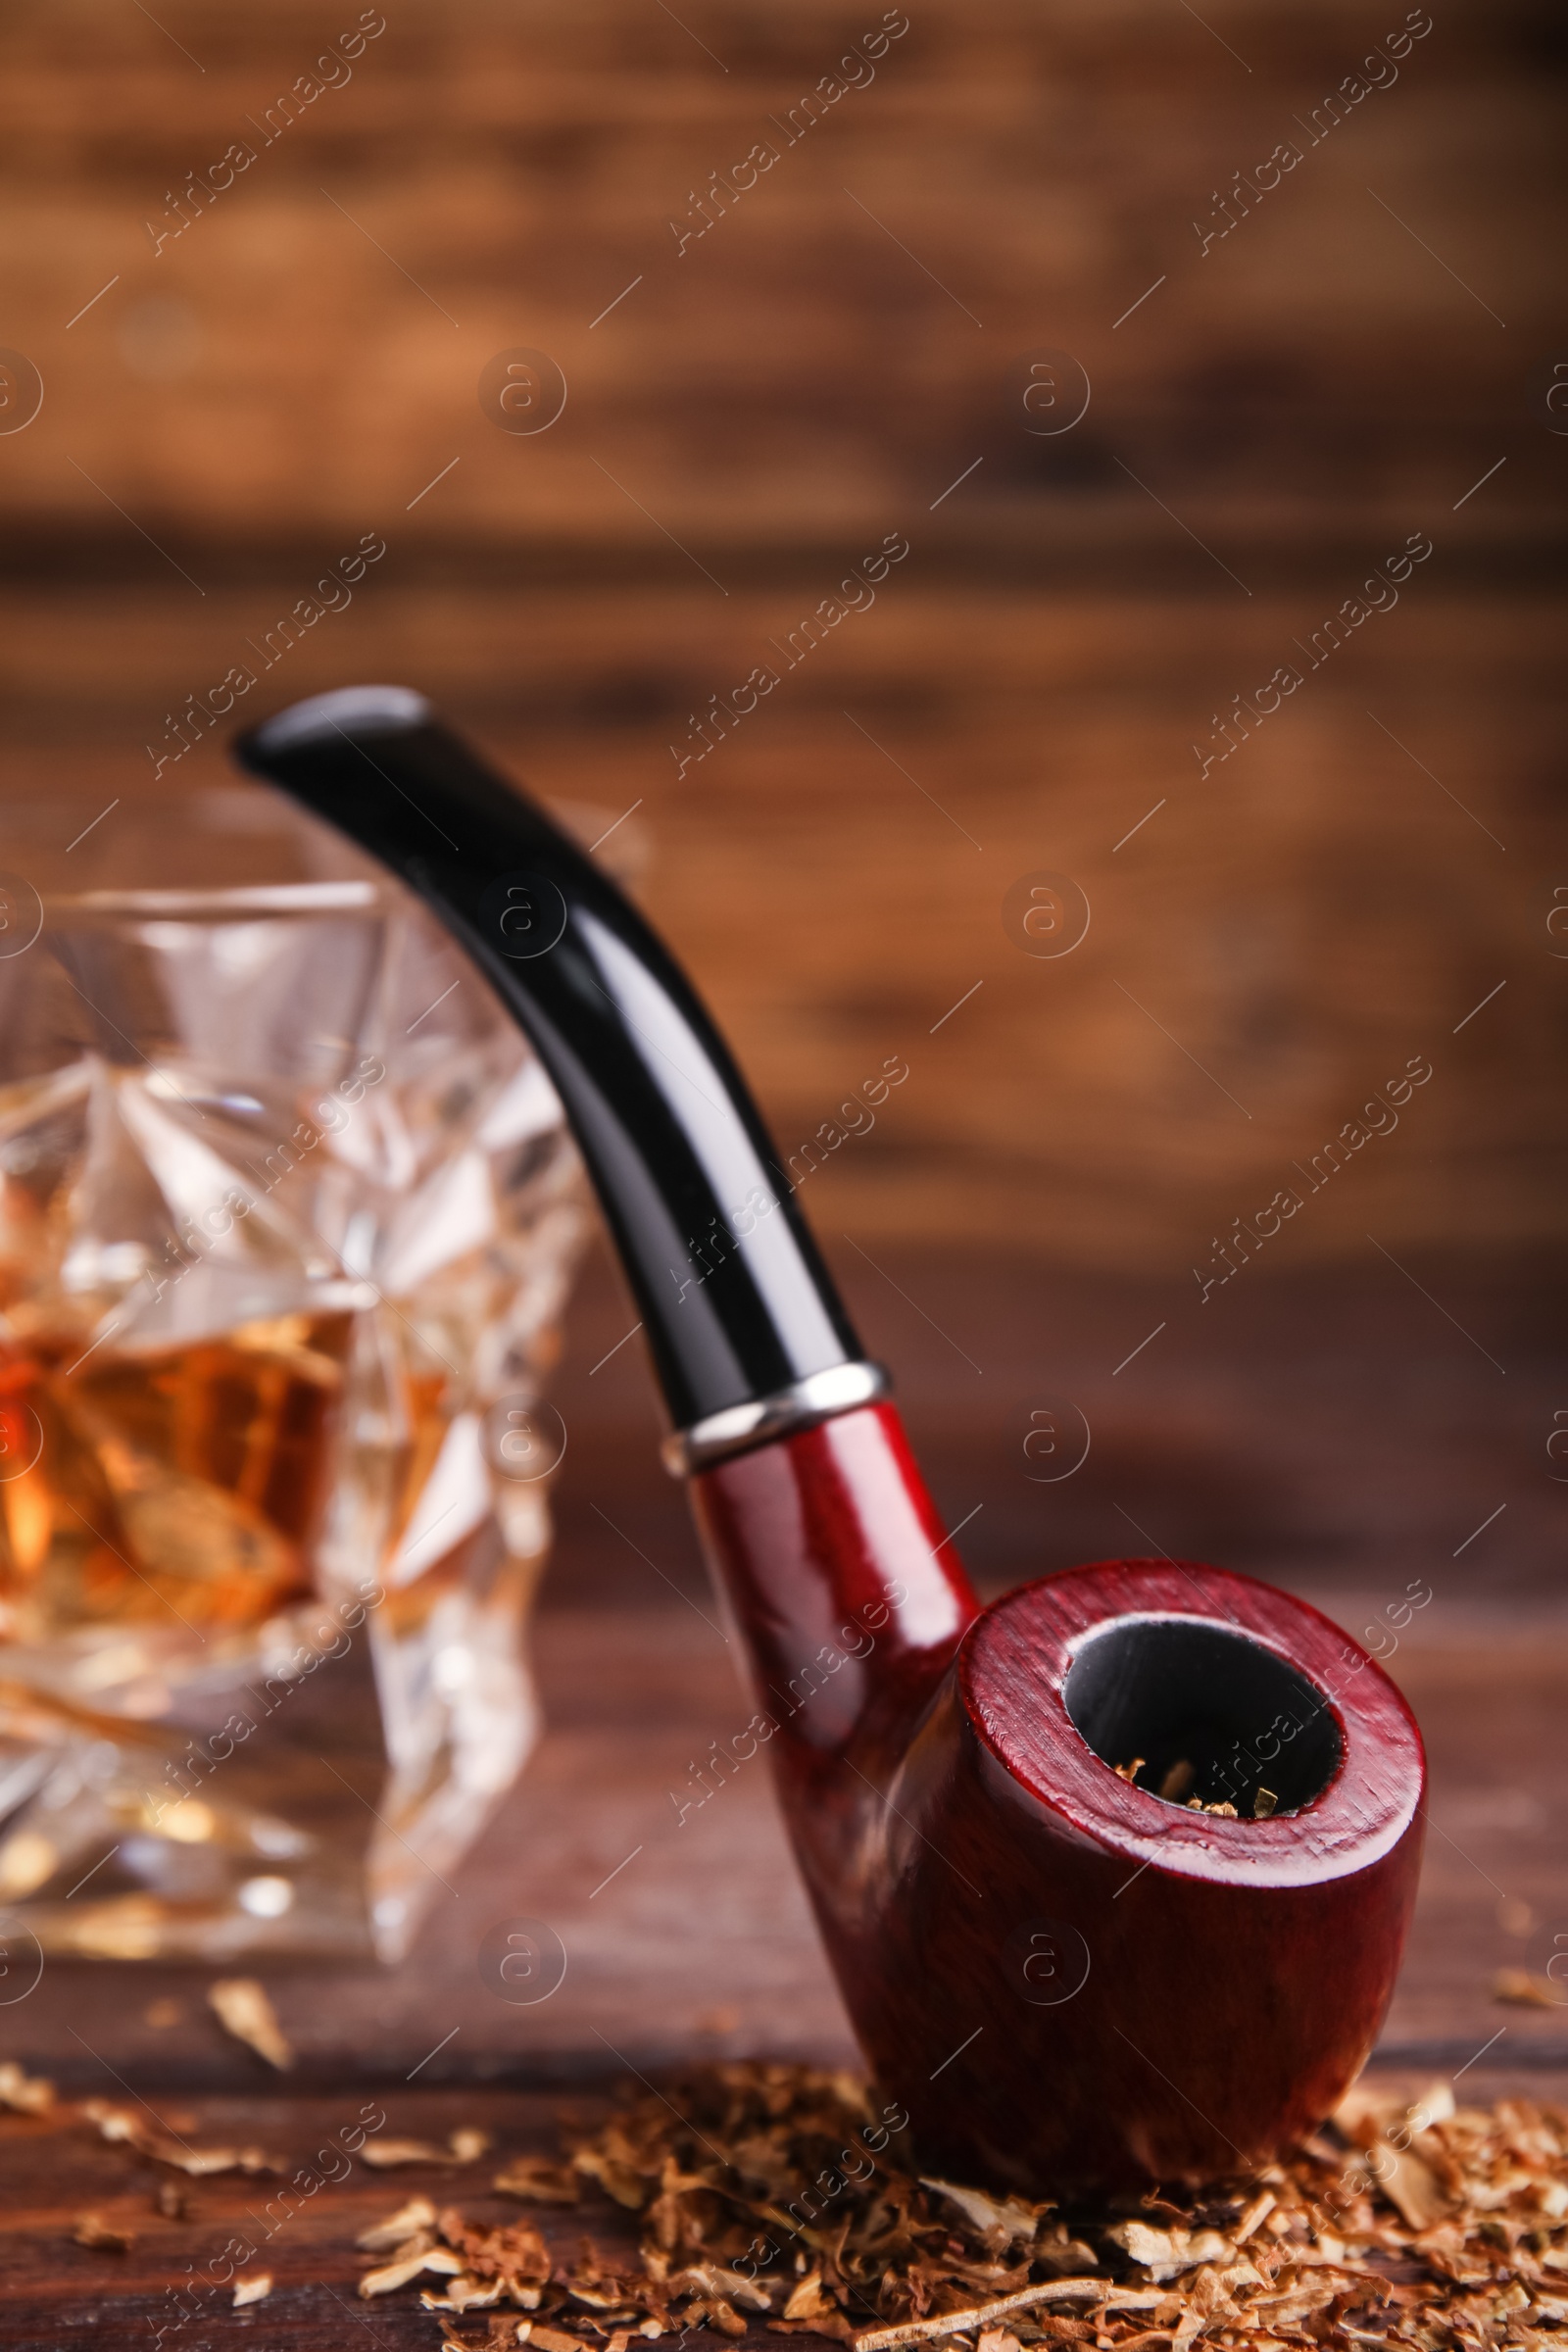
(259, 826)
(217, 902)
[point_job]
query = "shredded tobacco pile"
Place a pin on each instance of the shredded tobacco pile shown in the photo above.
(775, 2197)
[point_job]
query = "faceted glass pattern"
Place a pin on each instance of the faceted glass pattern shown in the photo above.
(287, 1217)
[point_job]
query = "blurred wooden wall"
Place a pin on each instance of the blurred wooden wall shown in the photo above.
(228, 410)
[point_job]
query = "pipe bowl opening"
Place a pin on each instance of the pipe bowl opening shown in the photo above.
(1194, 1713)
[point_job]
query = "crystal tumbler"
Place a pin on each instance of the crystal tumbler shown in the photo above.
(288, 1212)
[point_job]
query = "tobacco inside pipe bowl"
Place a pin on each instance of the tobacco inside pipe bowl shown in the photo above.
(1114, 1874)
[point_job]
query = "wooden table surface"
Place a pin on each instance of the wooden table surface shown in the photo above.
(1328, 1442)
(58, 2296)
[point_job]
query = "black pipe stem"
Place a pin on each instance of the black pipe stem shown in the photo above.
(735, 1300)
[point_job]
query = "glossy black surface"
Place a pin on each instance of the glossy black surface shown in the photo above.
(735, 1302)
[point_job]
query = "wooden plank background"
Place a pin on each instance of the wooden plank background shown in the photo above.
(300, 366)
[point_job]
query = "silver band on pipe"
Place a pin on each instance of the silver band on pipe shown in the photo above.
(843, 1388)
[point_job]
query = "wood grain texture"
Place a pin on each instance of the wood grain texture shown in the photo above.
(272, 385)
(841, 341)
(1274, 942)
(703, 1944)
(1328, 1436)
(1337, 1438)
(235, 408)
(56, 2296)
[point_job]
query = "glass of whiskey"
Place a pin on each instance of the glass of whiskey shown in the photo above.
(288, 1214)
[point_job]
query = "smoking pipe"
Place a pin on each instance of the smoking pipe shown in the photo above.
(1116, 1872)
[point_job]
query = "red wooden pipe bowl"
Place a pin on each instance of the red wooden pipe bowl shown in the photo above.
(1068, 1980)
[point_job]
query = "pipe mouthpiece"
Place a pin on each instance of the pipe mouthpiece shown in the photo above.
(738, 1307)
